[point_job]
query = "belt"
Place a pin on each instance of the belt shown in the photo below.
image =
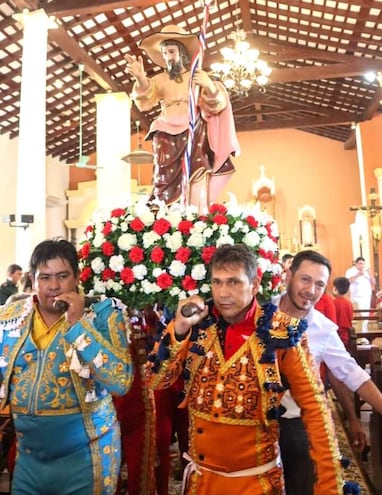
(192, 467)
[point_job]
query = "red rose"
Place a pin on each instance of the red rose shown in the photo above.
(89, 228)
(137, 225)
(259, 273)
(85, 274)
(252, 221)
(161, 226)
(185, 226)
(188, 283)
(157, 255)
(207, 253)
(127, 275)
(164, 281)
(136, 254)
(220, 219)
(106, 229)
(118, 212)
(183, 254)
(108, 248)
(217, 208)
(85, 250)
(107, 274)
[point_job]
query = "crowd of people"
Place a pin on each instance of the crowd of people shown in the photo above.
(230, 372)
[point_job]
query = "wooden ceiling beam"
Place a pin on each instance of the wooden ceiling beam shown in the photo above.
(62, 8)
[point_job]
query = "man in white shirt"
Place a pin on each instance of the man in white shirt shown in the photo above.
(309, 274)
(362, 284)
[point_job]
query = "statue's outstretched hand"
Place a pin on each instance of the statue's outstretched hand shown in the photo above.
(135, 66)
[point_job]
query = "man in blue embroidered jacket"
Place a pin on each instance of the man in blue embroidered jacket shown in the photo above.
(59, 367)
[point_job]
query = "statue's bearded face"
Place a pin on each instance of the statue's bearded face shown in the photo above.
(173, 60)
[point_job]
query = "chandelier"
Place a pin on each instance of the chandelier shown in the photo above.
(241, 68)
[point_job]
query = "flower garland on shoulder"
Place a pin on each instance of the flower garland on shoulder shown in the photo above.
(145, 256)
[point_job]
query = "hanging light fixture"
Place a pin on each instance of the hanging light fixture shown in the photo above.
(241, 67)
(139, 155)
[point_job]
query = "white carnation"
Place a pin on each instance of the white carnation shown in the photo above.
(251, 239)
(97, 265)
(150, 287)
(224, 229)
(208, 232)
(198, 272)
(174, 291)
(157, 272)
(198, 227)
(195, 240)
(150, 238)
(173, 241)
(127, 241)
(123, 226)
(224, 239)
(268, 244)
(177, 268)
(98, 240)
(99, 287)
(264, 264)
(116, 263)
(205, 288)
(140, 271)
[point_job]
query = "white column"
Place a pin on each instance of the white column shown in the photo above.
(113, 143)
(31, 167)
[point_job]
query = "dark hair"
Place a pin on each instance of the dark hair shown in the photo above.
(360, 258)
(233, 255)
(13, 268)
(286, 257)
(26, 282)
(342, 285)
(51, 249)
(183, 53)
(309, 255)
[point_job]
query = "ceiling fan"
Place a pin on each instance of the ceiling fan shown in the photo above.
(82, 161)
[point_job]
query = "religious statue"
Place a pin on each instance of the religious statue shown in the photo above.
(198, 164)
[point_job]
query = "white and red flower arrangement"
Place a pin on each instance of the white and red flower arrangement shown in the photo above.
(144, 256)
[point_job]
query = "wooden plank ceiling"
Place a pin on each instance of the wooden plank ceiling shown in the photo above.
(318, 50)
